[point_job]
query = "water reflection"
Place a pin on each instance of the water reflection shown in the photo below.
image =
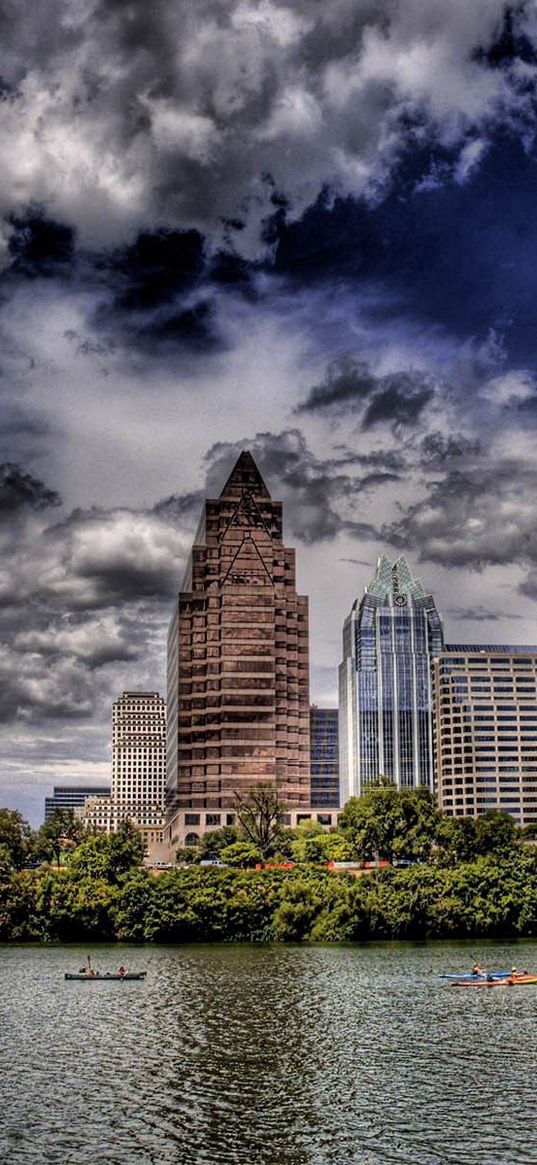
(265, 1056)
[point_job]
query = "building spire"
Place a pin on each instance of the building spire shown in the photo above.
(245, 478)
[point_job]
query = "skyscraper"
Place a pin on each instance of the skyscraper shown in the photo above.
(138, 768)
(139, 757)
(485, 730)
(385, 704)
(324, 757)
(238, 686)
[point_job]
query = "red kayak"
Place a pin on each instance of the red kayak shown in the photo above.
(511, 981)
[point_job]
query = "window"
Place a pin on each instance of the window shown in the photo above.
(192, 818)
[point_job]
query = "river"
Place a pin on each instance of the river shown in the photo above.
(266, 1055)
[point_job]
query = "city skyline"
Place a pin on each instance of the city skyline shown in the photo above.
(305, 230)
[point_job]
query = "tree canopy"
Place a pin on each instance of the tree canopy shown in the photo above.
(387, 823)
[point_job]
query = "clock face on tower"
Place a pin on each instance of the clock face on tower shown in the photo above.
(400, 600)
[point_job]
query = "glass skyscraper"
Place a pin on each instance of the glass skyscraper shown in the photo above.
(385, 701)
(324, 757)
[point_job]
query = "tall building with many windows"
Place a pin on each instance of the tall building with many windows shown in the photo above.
(324, 734)
(139, 756)
(138, 767)
(385, 701)
(238, 664)
(485, 730)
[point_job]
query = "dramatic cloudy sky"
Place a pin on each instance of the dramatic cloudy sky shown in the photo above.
(307, 229)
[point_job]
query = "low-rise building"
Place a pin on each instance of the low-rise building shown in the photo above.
(71, 797)
(186, 827)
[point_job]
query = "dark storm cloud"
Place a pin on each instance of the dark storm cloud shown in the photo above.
(84, 601)
(389, 460)
(195, 114)
(457, 255)
(20, 490)
(161, 293)
(481, 516)
(316, 494)
(400, 402)
(41, 248)
(437, 449)
(350, 384)
(181, 509)
(157, 292)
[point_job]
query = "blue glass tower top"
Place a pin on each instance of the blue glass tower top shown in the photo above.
(389, 638)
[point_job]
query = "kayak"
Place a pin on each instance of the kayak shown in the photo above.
(473, 975)
(83, 978)
(517, 981)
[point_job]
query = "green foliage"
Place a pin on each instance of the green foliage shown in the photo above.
(103, 855)
(259, 812)
(312, 843)
(103, 893)
(216, 840)
(387, 823)
(496, 833)
(52, 836)
(15, 836)
(132, 904)
(187, 853)
(241, 854)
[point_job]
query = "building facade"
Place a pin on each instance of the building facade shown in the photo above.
(139, 757)
(485, 730)
(238, 660)
(71, 797)
(385, 697)
(138, 768)
(187, 826)
(324, 737)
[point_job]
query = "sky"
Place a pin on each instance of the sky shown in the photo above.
(305, 229)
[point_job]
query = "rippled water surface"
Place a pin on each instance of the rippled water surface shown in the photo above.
(266, 1055)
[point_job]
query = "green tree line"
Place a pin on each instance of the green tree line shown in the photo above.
(470, 879)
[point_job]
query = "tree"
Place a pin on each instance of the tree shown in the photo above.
(387, 823)
(241, 853)
(496, 833)
(15, 836)
(108, 856)
(457, 840)
(259, 811)
(215, 840)
(186, 855)
(311, 843)
(61, 831)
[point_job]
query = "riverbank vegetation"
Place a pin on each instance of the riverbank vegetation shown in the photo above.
(467, 879)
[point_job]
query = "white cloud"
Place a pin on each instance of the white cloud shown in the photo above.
(172, 116)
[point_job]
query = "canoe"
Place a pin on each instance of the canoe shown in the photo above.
(107, 976)
(518, 981)
(473, 976)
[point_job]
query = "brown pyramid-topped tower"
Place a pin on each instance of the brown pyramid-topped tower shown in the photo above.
(238, 656)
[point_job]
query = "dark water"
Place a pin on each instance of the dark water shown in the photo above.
(266, 1056)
